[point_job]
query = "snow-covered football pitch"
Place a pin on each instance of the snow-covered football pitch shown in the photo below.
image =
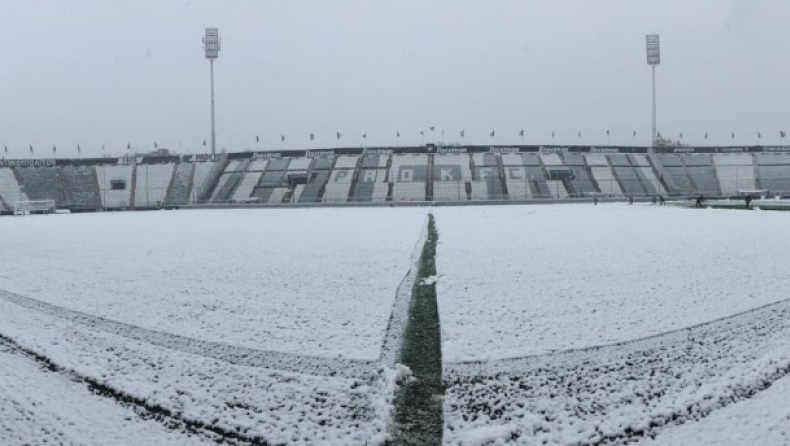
(560, 324)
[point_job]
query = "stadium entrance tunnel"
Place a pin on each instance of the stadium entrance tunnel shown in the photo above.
(418, 405)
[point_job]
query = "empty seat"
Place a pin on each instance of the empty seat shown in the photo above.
(551, 159)
(350, 162)
(201, 180)
(596, 159)
(247, 184)
(178, 194)
(607, 183)
(10, 191)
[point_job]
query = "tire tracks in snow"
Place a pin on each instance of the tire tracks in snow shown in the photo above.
(234, 354)
(620, 393)
(142, 408)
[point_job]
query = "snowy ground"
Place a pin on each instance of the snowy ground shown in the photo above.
(523, 280)
(764, 420)
(37, 405)
(561, 325)
(318, 282)
(251, 403)
(584, 325)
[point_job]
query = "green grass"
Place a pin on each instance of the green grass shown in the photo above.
(418, 405)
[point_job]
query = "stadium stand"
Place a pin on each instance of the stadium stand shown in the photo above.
(10, 191)
(557, 189)
(626, 175)
(316, 181)
(773, 172)
(551, 159)
(178, 192)
(487, 182)
(451, 172)
(115, 185)
(300, 164)
(229, 180)
(596, 159)
(371, 185)
(257, 165)
(80, 188)
(247, 184)
(339, 184)
(41, 183)
(350, 162)
(606, 181)
(735, 172)
(379, 175)
(152, 181)
(408, 175)
(322, 163)
(202, 179)
(580, 182)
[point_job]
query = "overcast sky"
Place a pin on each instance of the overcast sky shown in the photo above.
(95, 72)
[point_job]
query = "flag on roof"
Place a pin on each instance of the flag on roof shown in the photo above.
(312, 137)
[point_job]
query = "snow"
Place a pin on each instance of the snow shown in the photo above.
(561, 325)
(254, 403)
(624, 391)
(42, 407)
(318, 282)
(526, 280)
(764, 420)
(612, 323)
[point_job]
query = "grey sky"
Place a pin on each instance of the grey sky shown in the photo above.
(93, 72)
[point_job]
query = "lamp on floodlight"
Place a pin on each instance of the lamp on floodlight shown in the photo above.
(211, 43)
(653, 47)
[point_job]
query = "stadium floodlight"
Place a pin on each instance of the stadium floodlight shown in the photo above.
(653, 58)
(211, 43)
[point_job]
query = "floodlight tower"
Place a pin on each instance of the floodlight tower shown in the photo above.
(653, 59)
(211, 44)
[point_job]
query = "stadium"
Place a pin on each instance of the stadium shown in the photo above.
(480, 325)
(610, 291)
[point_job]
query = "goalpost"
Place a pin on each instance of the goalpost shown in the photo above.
(34, 206)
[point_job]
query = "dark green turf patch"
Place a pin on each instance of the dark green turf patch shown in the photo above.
(418, 405)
